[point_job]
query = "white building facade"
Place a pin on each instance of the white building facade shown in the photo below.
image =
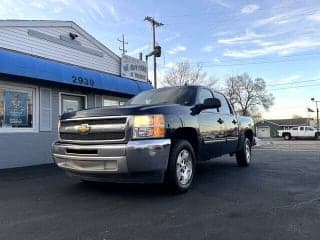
(48, 68)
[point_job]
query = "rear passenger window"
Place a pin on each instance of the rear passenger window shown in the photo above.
(225, 108)
(301, 128)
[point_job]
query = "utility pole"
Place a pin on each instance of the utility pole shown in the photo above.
(154, 24)
(313, 100)
(123, 45)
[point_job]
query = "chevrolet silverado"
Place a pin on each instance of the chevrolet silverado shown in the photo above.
(157, 136)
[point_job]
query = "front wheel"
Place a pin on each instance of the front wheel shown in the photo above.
(287, 137)
(244, 155)
(181, 166)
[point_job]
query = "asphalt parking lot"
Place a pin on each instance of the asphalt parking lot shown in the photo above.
(278, 197)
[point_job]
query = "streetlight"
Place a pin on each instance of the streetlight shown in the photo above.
(313, 100)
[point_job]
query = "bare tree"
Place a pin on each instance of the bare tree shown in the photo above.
(247, 95)
(184, 74)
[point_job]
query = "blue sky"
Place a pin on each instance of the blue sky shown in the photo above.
(276, 40)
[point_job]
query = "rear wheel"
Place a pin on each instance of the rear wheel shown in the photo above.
(181, 166)
(244, 155)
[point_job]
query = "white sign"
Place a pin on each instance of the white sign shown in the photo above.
(134, 68)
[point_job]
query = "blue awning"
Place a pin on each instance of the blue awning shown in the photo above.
(24, 65)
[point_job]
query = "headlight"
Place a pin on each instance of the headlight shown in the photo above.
(149, 126)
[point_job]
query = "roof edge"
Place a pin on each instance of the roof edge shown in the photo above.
(58, 23)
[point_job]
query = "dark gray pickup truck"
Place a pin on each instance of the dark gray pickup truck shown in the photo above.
(158, 136)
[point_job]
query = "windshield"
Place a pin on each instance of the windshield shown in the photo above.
(176, 95)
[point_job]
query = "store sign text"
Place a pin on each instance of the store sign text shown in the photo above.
(133, 68)
(83, 81)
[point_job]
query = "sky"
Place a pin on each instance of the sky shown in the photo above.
(277, 40)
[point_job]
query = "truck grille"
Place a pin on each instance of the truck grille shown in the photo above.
(94, 130)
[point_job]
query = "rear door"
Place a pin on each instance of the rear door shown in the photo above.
(231, 128)
(211, 127)
(309, 132)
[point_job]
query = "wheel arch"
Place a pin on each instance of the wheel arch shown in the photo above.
(248, 133)
(190, 134)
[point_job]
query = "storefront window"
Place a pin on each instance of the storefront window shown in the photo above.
(112, 102)
(109, 102)
(70, 103)
(16, 108)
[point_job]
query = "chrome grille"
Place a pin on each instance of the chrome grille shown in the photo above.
(97, 130)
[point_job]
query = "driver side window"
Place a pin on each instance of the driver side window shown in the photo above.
(203, 94)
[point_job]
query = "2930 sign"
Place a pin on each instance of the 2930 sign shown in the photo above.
(83, 81)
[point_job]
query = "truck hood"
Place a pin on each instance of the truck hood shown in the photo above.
(125, 110)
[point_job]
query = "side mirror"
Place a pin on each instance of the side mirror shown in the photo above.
(211, 103)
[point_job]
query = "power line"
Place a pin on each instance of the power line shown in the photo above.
(302, 86)
(207, 65)
(294, 82)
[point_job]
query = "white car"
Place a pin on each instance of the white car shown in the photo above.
(299, 132)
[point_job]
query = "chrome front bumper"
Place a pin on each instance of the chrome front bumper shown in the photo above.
(99, 161)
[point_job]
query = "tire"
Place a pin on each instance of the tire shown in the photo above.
(316, 136)
(287, 136)
(243, 156)
(181, 166)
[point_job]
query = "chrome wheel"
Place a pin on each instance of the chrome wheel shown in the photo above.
(184, 167)
(248, 152)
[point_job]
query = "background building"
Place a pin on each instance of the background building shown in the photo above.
(269, 128)
(51, 67)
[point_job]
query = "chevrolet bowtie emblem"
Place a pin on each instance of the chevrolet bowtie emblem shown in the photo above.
(84, 129)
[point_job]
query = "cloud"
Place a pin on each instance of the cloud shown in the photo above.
(283, 18)
(38, 4)
(178, 48)
(216, 60)
(171, 65)
(249, 36)
(250, 8)
(113, 12)
(172, 37)
(57, 10)
(222, 3)
(314, 17)
(279, 49)
(63, 2)
(139, 50)
(207, 48)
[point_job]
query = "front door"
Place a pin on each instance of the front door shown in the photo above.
(211, 127)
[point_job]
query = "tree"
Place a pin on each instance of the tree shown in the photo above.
(184, 74)
(296, 116)
(247, 95)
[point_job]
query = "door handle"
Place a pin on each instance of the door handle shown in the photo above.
(220, 121)
(234, 121)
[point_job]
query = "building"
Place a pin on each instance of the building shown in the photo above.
(269, 128)
(51, 67)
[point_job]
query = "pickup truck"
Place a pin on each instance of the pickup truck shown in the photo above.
(299, 132)
(156, 137)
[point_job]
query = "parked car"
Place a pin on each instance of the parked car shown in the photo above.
(299, 132)
(157, 136)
